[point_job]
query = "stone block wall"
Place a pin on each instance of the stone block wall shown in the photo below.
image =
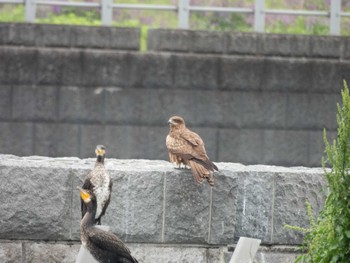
(254, 98)
(153, 203)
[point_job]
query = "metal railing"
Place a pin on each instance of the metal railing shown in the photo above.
(183, 9)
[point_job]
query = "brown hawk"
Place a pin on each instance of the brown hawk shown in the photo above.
(186, 147)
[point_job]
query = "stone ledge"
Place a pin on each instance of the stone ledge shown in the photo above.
(46, 35)
(37, 252)
(253, 201)
(194, 41)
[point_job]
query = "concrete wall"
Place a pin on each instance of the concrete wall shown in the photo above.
(254, 98)
(155, 207)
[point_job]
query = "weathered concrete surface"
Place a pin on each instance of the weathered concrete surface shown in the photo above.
(66, 252)
(154, 203)
(254, 98)
(70, 36)
(247, 43)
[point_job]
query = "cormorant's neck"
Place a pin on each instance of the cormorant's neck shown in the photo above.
(89, 217)
(100, 159)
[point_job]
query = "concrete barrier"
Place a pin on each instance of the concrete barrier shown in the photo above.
(254, 98)
(153, 203)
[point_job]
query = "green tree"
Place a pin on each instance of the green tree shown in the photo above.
(328, 240)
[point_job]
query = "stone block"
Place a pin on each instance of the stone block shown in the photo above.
(50, 252)
(105, 68)
(328, 76)
(312, 111)
(255, 205)
(10, 252)
(317, 146)
(125, 141)
(208, 107)
(151, 70)
(292, 191)
(5, 102)
(37, 103)
(285, 45)
(59, 67)
(282, 74)
(208, 42)
(243, 146)
(56, 140)
(223, 209)
(137, 215)
(125, 38)
(50, 66)
(21, 34)
(229, 105)
(170, 254)
(72, 68)
(228, 145)
(346, 51)
(262, 257)
(37, 203)
(127, 106)
(196, 72)
(16, 138)
(164, 103)
(169, 40)
(263, 109)
(188, 220)
(326, 46)
(81, 104)
(242, 43)
(18, 65)
(240, 73)
(90, 36)
(141, 142)
(52, 35)
(283, 147)
(4, 33)
(92, 135)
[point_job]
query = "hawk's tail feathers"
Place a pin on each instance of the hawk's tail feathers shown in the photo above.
(200, 173)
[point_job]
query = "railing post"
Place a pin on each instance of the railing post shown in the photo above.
(259, 16)
(106, 12)
(30, 10)
(335, 17)
(183, 14)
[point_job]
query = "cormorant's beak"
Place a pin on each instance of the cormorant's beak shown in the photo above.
(84, 195)
(100, 152)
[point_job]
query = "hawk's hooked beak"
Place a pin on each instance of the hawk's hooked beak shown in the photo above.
(170, 122)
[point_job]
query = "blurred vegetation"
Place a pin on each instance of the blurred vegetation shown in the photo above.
(199, 20)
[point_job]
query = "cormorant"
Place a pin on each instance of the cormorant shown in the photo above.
(104, 246)
(99, 182)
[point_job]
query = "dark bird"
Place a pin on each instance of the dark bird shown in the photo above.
(104, 246)
(187, 148)
(99, 183)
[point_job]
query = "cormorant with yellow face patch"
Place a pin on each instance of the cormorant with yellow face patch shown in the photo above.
(104, 246)
(99, 183)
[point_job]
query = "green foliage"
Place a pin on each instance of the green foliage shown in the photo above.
(328, 240)
(215, 22)
(11, 13)
(299, 26)
(70, 16)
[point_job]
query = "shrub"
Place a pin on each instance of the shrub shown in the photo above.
(328, 240)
